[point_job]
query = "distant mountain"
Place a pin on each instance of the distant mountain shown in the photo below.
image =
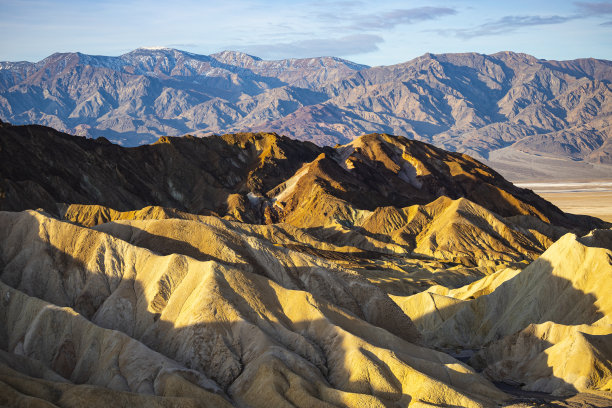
(470, 102)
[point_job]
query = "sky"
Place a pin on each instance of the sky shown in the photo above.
(368, 32)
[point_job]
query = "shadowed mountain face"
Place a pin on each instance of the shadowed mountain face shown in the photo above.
(258, 178)
(469, 102)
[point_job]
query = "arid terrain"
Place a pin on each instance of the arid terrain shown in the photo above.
(255, 270)
(592, 198)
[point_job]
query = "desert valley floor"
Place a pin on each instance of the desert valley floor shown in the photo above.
(590, 197)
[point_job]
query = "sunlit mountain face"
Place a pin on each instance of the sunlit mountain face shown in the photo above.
(252, 269)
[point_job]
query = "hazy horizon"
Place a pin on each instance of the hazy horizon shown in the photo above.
(366, 32)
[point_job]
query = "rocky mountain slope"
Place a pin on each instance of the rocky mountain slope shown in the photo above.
(253, 270)
(547, 326)
(146, 93)
(227, 313)
(472, 103)
(152, 280)
(252, 177)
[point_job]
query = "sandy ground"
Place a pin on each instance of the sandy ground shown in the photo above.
(577, 197)
(576, 187)
(595, 204)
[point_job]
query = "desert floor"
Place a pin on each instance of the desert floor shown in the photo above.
(577, 197)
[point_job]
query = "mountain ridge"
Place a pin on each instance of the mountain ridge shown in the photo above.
(263, 176)
(468, 102)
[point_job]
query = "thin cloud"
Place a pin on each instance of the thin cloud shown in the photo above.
(347, 18)
(506, 25)
(397, 17)
(591, 8)
(606, 24)
(338, 4)
(344, 46)
(509, 24)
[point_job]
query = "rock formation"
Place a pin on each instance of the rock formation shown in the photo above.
(210, 327)
(254, 270)
(255, 178)
(546, 327)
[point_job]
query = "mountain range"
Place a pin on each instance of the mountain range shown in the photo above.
(490, 106)
(234, 232)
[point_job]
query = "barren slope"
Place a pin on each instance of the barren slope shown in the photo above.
(279, 273)
(259, 341)
(547, 326)
(256, 178)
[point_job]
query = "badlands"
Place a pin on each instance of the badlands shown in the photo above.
(253, 270)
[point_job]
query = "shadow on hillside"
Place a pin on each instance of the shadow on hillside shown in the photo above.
(218, 348)
(368, 265)
(260, 340)
(513, 298)
(478, 323)
(157, 243)
(226, 347)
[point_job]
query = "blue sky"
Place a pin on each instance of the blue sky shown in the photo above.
(369, 32)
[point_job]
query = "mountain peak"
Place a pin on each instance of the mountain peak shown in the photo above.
(228, 55)
(154, 48)
(468, 102)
